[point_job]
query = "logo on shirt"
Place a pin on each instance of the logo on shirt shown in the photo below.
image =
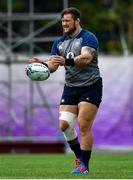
(70, 55)
(60, 47)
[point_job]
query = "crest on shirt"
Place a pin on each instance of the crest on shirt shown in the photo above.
(70, 55)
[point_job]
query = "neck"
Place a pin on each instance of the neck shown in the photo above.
(76, 32)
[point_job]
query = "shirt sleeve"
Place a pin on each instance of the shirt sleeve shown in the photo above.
(54, 49)
(90, 40)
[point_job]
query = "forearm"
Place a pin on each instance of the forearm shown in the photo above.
(86, 57)
(82, 60)
(52, 66)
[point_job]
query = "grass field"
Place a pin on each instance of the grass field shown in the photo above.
(59, 166)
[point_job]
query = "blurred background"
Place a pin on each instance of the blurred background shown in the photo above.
(29, 110)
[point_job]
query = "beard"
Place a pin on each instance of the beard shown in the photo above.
(71, 31)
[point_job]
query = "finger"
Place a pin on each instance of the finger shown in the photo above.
(31, 60)
(55, 56)
(26, 68)
(36, 58)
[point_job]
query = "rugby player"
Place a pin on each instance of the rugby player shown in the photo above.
(77, 51)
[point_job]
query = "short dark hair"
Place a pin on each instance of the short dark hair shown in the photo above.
(73, 11)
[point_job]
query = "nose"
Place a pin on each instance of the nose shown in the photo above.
(63, 23)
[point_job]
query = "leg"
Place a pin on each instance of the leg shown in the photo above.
(90, 99)
(68, 114)
(87, 113)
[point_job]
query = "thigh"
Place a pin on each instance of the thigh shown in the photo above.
(87, 113)
(69, 108)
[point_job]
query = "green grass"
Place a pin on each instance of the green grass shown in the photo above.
(59, 166)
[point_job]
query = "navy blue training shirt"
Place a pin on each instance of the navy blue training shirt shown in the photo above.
(70, 47)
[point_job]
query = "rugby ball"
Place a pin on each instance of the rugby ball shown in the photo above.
(37, 71)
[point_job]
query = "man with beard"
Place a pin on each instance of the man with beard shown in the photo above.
(77, 51)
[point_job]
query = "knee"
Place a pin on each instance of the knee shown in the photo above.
(66, 119)
(84, 127)
(67, 123)
(68, 131)
(63, 125)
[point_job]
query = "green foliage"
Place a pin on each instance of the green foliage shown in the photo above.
(102, 17)
(113, 47)
(109, 20)
(3, 6)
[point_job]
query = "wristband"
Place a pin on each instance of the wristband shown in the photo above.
(44, 63)
(69, 62)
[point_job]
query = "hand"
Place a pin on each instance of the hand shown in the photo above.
(57, 60)
(34, 60)
(54, 62)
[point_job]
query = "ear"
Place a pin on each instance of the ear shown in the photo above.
(78, 20)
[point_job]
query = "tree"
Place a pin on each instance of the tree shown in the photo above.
(111, 20)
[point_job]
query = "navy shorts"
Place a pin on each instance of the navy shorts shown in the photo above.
(75, 95)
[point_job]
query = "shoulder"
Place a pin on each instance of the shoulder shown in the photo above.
(54, 49)
(59, 39)
(87, 34)
(89, 38)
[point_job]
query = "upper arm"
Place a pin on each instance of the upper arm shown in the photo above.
(90, 40)
(89, 45)
(54, 49)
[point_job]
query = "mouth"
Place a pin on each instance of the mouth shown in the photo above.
(65, 28)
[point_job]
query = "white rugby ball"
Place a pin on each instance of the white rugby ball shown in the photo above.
(37, 71)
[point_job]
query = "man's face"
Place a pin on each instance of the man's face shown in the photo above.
(68, 24)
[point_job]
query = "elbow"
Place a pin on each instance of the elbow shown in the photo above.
(89, 60)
